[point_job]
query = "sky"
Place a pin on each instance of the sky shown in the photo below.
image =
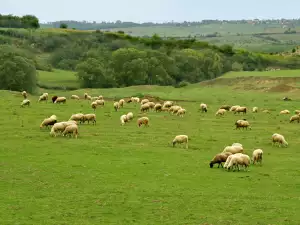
(151, 10)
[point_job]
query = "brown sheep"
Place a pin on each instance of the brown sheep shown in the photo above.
(219, 158)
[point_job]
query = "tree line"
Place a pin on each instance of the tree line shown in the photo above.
(27, 21)
(106, 59)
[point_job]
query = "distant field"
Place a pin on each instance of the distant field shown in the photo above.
(58, 78)
(277, 73)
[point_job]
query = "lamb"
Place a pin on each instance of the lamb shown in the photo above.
(295, 117)
(242, 109)
(219, 158)
(129, 116)
(180, 139)
(121, 102)
(54, 98)
(226, 107)
(144, 101)
(61, 100)
(123, 119)
(239, 159)
(255, 109)
(25, 102)
(233, 108)
(220, 112)
(43, 97)
(284, 112)
(89, 117)
(242, 123)
(278, 138)
(24, 94)
(145, 107)
(158, 107)
(49, 121)
(181, 112)
(257, 156)
(116, 106)
(143, 120)
(77, 117)
(60, 127)
(233, 149)
(203, 107)
(75, 97)
(71, 129)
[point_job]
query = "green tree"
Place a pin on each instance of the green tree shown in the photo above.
(63, 26)
(17, 72)
(30, 21)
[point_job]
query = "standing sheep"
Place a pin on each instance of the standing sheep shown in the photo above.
(203, 107)
(257, 156)
(116, 106)
(129, 116)
(123, 119)
(61, 100)
(219, 158)
(121, 103)
(49, 121)
(94, 105)
(239, 159)
(295, 118)
(145, 107)
(220, 112)
(226, 107)
(54, 98)
(75, 97)
(284, 112)
(242, 123)
(181, 112)
(25, 102)
(255, 109)
(233, 149)
(278, 138)
(89, 117)
(77, 117)
(24, 94)
(144, 101)
(71, 129)
(242, 109)
(233, 108)
(180, 139)
(60, 127)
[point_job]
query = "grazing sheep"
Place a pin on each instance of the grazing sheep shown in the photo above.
(100, 97)
(143, 120)
(220, 112)
(145, 107)
(239, 159)
(174, 108)
(278, 138)
(181, 112)
(219, 158)
(129, 116)
(49, 121)
(164, 109)
(25, 102)
(226, 107)
(43, 97)
(237, 144)
(242, 109)
(144, 101)
(242, 123)
(71, 129)
(180, 139)
(77, 117)
(89, 117)
(266, 111)
(24, 94)
(257, 156)
(167, 104)
(297, 111)
(151, 104)
(100, 102)
(121, 103)
(87, 97)
(75, 97)
(61, 100)
(94, 105)
(116, 106)
(233, 149)
(229, 159)
(60, 127)
(233, 108)
(295, 117)
(54, 98)
(255, 109)
(135, 99)
(284, 112)
(47, 95)
(158, 107)
(203, 107)
(123, 119)
(94, 98)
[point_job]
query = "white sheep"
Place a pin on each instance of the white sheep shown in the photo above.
(43, 97)
(157, 107)
(295, 118)
(255, 109)
(242, 124)
(94, 105)
(100, 97)
(145, 107)
(71, 129)
(278, 138)
(167, 104)
(220, 112)
(233, 149)
(239, 109)
(89, 117)
(49, 121)
(77, 117)
(237, 144)
(257, 156)
(100, 102)
(61, 100)
(135, 99)
(239, 159)
(25, 102)
(24, 94)
(144, 101)
(181, 112)
(203, 107)
(75, 97)
(284, 112)
(60, 127)
(123, 119)
(129, 116)
(180, 139)
(121, 102)
(87, 97)
(116, 106)
(233, 108)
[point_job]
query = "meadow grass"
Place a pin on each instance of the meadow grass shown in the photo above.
(115, 174)
(58, 78)
(276, 73)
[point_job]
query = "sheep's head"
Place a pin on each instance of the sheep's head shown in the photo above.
(211, 165)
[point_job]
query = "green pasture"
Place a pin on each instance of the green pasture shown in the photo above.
(115, 174)
(272, 74)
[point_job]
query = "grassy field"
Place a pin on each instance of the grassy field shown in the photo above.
(276, 73)
(129, 175)
(58, 78)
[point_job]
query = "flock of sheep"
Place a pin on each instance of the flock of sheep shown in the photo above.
(233, 156)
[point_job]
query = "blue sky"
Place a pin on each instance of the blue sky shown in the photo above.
(153, 10)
